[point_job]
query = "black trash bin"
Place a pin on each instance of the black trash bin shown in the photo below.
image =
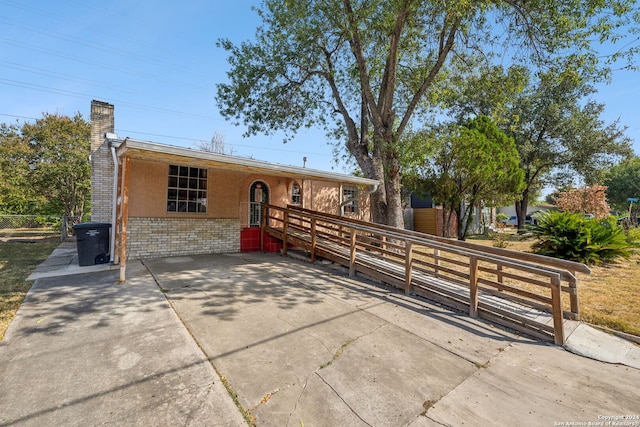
(93, 242)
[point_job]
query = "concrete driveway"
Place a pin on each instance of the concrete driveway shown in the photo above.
(303, 344)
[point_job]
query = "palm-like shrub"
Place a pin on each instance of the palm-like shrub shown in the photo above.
(577, 238)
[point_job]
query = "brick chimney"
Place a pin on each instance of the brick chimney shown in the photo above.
(102, 121)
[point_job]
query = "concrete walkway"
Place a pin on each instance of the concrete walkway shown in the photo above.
(85, 351)
(298, 344)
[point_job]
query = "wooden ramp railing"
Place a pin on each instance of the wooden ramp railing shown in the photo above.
(519, 290)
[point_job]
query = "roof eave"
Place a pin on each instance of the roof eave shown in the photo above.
(233, 161)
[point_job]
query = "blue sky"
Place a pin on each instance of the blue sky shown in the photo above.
(158, 63)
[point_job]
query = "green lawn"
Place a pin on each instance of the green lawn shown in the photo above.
(18, 258)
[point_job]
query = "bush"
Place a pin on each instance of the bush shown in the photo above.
(577, 238)
(499, 239)
(633, 236)
(501, 217)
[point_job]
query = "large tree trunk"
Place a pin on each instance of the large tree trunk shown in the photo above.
(378, 203)
(395, 212)
(521, 209)
(393, 186)
(386, 203)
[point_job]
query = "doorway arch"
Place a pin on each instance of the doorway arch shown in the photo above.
(258, 195)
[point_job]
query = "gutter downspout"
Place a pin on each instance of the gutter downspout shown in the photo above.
(113, 202)
(114, 143)
(372, 189)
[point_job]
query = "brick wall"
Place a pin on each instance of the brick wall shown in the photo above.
(102, 121)
(158, 237)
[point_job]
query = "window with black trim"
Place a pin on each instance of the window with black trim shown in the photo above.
(296, 194)
(349, 193)
(187, 189)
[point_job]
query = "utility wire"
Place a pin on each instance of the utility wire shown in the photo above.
(196, 140)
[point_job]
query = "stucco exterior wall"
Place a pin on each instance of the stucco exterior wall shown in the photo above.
(326, 197)
(154, 232)
(148, 192)
(228, 193)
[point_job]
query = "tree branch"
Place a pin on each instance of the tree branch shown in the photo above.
(352, 130)
(358, 52)
(447, 39)
(387, 88)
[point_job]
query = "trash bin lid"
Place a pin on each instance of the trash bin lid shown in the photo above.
(85, 225)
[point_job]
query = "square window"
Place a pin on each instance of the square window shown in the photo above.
(187, 189)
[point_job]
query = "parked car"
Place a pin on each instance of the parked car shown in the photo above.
(513, 221)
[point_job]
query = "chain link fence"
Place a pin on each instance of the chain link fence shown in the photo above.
(38, 224)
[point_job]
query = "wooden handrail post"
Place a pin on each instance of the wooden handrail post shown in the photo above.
(499, 275)
(314, 240)
(116, 248)
(556, 307)
(473, 286)
(408, 264)
(352, 254)
(285, 227)
(436, 261)
(126, 168)
(573, 295)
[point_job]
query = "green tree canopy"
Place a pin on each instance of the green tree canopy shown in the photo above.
(47, 166)
(363, 70)
(557, 132)
(623, 182)
(17, 194)
(476, 165)
(556, 127)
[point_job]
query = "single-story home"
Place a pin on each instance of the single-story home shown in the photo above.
(164, 200)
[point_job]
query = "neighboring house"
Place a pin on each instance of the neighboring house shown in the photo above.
(168, 200)
(423, 216)
(511, 210)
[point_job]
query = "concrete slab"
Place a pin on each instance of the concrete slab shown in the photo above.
(587, 341)
(541, 385)
(63, 261)
(86, 351)
(388, 377)
(299, 344)
(302, 344)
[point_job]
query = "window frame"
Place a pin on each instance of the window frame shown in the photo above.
(187, 189)
(349, 192)
(292, 195)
